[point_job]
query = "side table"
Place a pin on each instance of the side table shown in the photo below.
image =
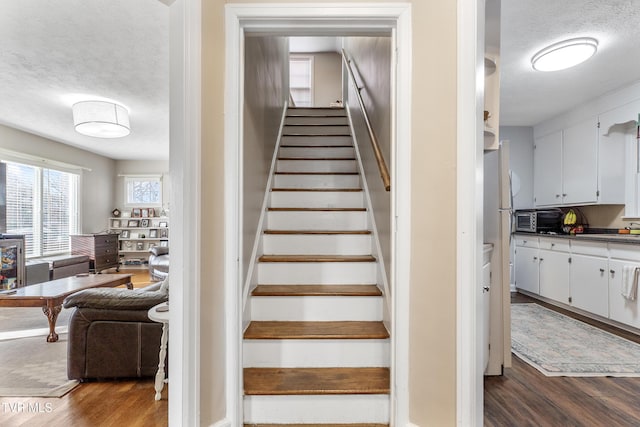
(160, 314)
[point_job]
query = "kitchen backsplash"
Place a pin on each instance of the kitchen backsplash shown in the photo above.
(605, 216)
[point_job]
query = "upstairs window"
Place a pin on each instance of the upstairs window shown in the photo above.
(301, 80)
(143, 191)
(42, 205)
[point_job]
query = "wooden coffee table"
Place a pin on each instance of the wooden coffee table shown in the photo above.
(50, 295)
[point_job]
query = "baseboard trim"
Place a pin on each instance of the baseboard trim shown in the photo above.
(221, 423)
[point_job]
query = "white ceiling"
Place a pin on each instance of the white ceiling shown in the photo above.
(54, 53)
(529, 97)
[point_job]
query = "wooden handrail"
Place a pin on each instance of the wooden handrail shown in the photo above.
(382, 165)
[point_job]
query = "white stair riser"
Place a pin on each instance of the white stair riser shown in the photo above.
(316, 220)
(317, 199)
(316, 130)
(317, 120)
(311, 273)
(316, 140)
(311, 244)
(316, 166)
(325, 353)
(317, 152)
(316, 181)
(291, 409)
(316, 308)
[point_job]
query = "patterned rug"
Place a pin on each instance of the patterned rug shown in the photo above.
(32, 367)
(558, 345)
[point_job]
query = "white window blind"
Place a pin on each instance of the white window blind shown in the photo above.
(42, 204)
(301, 80)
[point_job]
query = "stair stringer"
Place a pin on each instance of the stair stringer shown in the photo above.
(376, 249)
(252, 270)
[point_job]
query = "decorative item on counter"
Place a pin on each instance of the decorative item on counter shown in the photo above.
(574, 222)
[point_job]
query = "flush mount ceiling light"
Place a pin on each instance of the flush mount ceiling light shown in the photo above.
(564, 54)
(101, 119)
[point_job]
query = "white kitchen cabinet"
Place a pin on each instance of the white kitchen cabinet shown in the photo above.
(554, 269)
(527, 273)
(589, 284)
(547, 170)
(580, 163)
(621, 309)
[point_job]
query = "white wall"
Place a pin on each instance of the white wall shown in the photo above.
(97, 185)
(371, 60)
(520, 163)
(327, 78)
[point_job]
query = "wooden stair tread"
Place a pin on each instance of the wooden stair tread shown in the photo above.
(316, 290)
(317, 134)
(316, 146)
(317, 232)
(316, 258)
(317, 173)
(317, 209)
(317, 124)
(315, 381)
(318, 425)
(324, 159)
(300, 330)
(318, 189)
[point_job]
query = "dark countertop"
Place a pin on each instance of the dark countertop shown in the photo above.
(600, 237)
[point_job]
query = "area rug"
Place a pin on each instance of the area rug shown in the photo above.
(32, 367)
(558, 345)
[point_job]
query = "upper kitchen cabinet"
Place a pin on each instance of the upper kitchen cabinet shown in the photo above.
(547, 170)
(578, 166)
(580, 163)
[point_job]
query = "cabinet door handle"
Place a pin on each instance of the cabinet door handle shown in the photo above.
(535, 258)
(557, 196)
(541, 259)
(602, 270)
(613, 272)
(485, 289)
(564, 194)
(553, 244)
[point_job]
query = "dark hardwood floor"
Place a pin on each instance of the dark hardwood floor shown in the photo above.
(525, 397)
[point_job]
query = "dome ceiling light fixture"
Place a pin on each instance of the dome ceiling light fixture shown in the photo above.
(564, 54)
(101, 119)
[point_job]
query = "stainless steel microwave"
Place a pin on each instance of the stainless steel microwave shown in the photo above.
(539, 221)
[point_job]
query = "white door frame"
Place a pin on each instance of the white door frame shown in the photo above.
(186, 18)
(319, 19)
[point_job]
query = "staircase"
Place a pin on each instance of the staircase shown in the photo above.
(316, 352)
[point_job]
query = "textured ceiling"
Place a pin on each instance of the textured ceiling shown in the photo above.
(529, 97)
(55, 53)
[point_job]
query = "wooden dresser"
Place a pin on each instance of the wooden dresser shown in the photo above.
(102, 250)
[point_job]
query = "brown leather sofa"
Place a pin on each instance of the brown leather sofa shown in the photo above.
(110, 335)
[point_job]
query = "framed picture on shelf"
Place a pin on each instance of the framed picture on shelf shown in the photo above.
(153, 234)
(115, 223)
(140, 246)
(124, 234)
(144, 212)
(164, 243)
(163, 224)
(152, 212)
(144, 222)
(133, 223)
(164, 233)
(136, 213)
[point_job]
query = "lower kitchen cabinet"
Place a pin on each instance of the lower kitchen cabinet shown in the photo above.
(554, 275)
(527, 272)
(589, 284)
(621, 309)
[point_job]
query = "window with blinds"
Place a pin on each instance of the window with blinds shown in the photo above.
(301, 80)
(42, 204)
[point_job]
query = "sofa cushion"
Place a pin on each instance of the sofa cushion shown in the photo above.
(115, 298)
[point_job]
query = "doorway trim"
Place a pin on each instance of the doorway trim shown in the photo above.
(319, 19)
